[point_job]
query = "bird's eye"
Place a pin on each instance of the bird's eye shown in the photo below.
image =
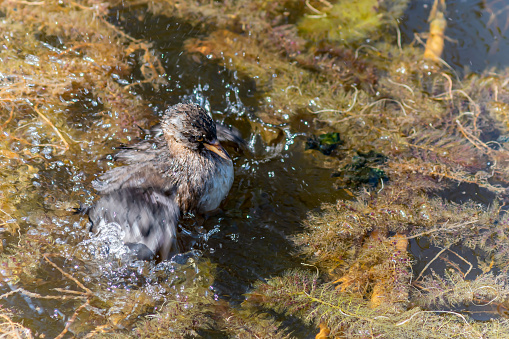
(200, 138)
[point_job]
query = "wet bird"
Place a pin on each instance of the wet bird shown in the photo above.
(181, 168)
(147, 220)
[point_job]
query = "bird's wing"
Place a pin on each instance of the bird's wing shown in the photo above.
(230, 134)
(146, 166)
(147, 217)
(142, 175)
(142, 151)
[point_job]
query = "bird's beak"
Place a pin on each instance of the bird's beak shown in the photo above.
(216, 147)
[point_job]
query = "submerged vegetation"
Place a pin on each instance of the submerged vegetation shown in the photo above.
(402, 130)
(349, 20)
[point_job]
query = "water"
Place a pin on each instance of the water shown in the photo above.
(275, 186)
(477, 31)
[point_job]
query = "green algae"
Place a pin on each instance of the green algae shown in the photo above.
(346, 21)
(325, 143)
(362, 170)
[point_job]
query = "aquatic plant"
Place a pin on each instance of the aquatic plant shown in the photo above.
(207, 316)
(414, 127)
(348, 21)
(325, 143)
(346, 315)
(10, 329)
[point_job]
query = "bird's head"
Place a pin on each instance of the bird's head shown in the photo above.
(192, 127)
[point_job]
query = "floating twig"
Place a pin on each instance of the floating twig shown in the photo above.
(67, 275)
(443, 229)
(402, 85)
(97, 330)
(73, 318)
(431, 261)
(52, 126)
(339, 111)
(465, 260)
(9, 119)
(37, 295)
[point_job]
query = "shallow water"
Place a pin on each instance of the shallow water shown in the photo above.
(477, 32)
(275, 186)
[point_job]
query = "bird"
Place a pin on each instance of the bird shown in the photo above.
(180, 168)
(147, 220)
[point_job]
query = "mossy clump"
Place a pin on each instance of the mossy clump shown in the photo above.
(64, 104)
(303, 294)
(199, 316)
(325, 143)
(362, 170)
(11, 329)
(347, 20)
(335, 233)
